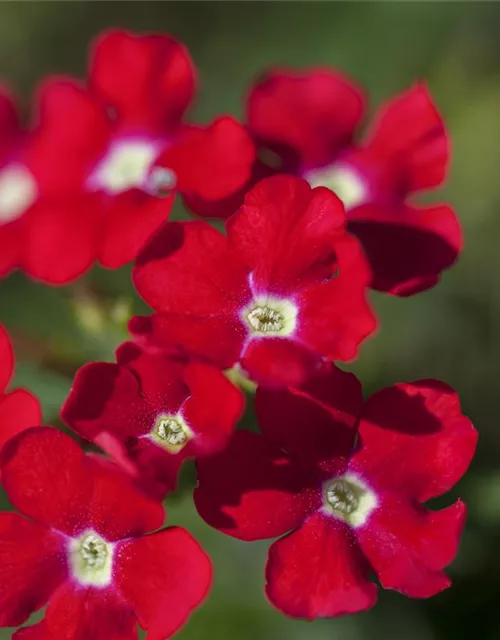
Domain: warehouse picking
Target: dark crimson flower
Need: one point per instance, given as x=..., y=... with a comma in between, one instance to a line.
x=82, y=186
x=305, y=123
x=282, y=290
x=348, y=481
x=81, y=546
x=19, y=409
x=151, y=412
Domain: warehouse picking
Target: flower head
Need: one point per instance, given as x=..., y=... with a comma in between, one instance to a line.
x=81, y=545
x=284, y=289
x=309, y=120
x=348, y=482
x=151, y=412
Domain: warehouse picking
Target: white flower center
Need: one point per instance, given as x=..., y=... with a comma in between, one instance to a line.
x=343, y=181
x=125, y=166
x=269, y=316
x=171, y=432
x=349, y=499
x=91, y=559
x=18, y=191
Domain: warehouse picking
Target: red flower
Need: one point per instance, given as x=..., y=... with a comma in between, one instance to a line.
x=79, y=546
x=352, y=511
x=305, y=123
x=19, y=409
x=151, y=412
x=283, y=289
x=88, y=164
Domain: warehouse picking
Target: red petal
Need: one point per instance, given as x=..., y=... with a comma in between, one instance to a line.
x=252, y=490
x=284, y=233
x=11, y=246
x=107, y=397
x=278, y=362
x=316, y=420
x=335, y=315
x=6, y=359
x=89, y=614
x=163, y=577
x=407, y=247
x=319, y=571
x=189, y=269
x=213, y=408
x=35, y=632
x=32, y=565
x=148, y=79
x=131, y=218
x=415, y=438
x=408, y=547
x=218, y=339
x=61, y=238
x=118, y=509
x=47, y=477
x=210, y=163
x=19, y=410
x=9, y=121
x=314, y=113
x=71, y=133
x=410, y=133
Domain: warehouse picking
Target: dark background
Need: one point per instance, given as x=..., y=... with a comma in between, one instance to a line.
x=451, y=333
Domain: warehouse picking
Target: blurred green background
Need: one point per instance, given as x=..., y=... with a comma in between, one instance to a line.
x=451, y=333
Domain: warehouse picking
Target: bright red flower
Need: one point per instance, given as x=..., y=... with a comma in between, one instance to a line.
x=305, y=123
x=88, y=166
x=19, y=409
x=348, y=481
x=81, y=546
x=282, y=290
x=151, y=412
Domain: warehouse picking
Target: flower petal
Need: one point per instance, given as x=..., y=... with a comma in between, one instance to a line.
x=9, y=120
x=71, y=133
x=414, y=437
x=335, y=315
x=252, y=490
x=316, y=420
x=6, y=359
x=11, y=246
x=319, y=571
x=106, y=397
x=216, y=339
x=131, y=218
x=410, y=132
x=409, y=546
x=314, y=113
x=148, y=79
x=48, y=478
x=285, y=233
x=163, y=577
x=19, y=410
x=408, y=247
x=35, y=632
x=61, y=238
x=213, y=408
x=188, y=268
x=32, y=565
x=76, y=613
x=210, y=163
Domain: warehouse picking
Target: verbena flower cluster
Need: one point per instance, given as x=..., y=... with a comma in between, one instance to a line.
x=314, y=217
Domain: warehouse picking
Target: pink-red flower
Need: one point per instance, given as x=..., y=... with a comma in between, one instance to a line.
x=81, y=545
x=283, y=289
x=151, y=412
x=348, y=481
x=82, y=184
x=19, y=409
x=306, y=123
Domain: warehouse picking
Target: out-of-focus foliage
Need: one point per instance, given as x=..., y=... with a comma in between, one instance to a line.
x=451, y=332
